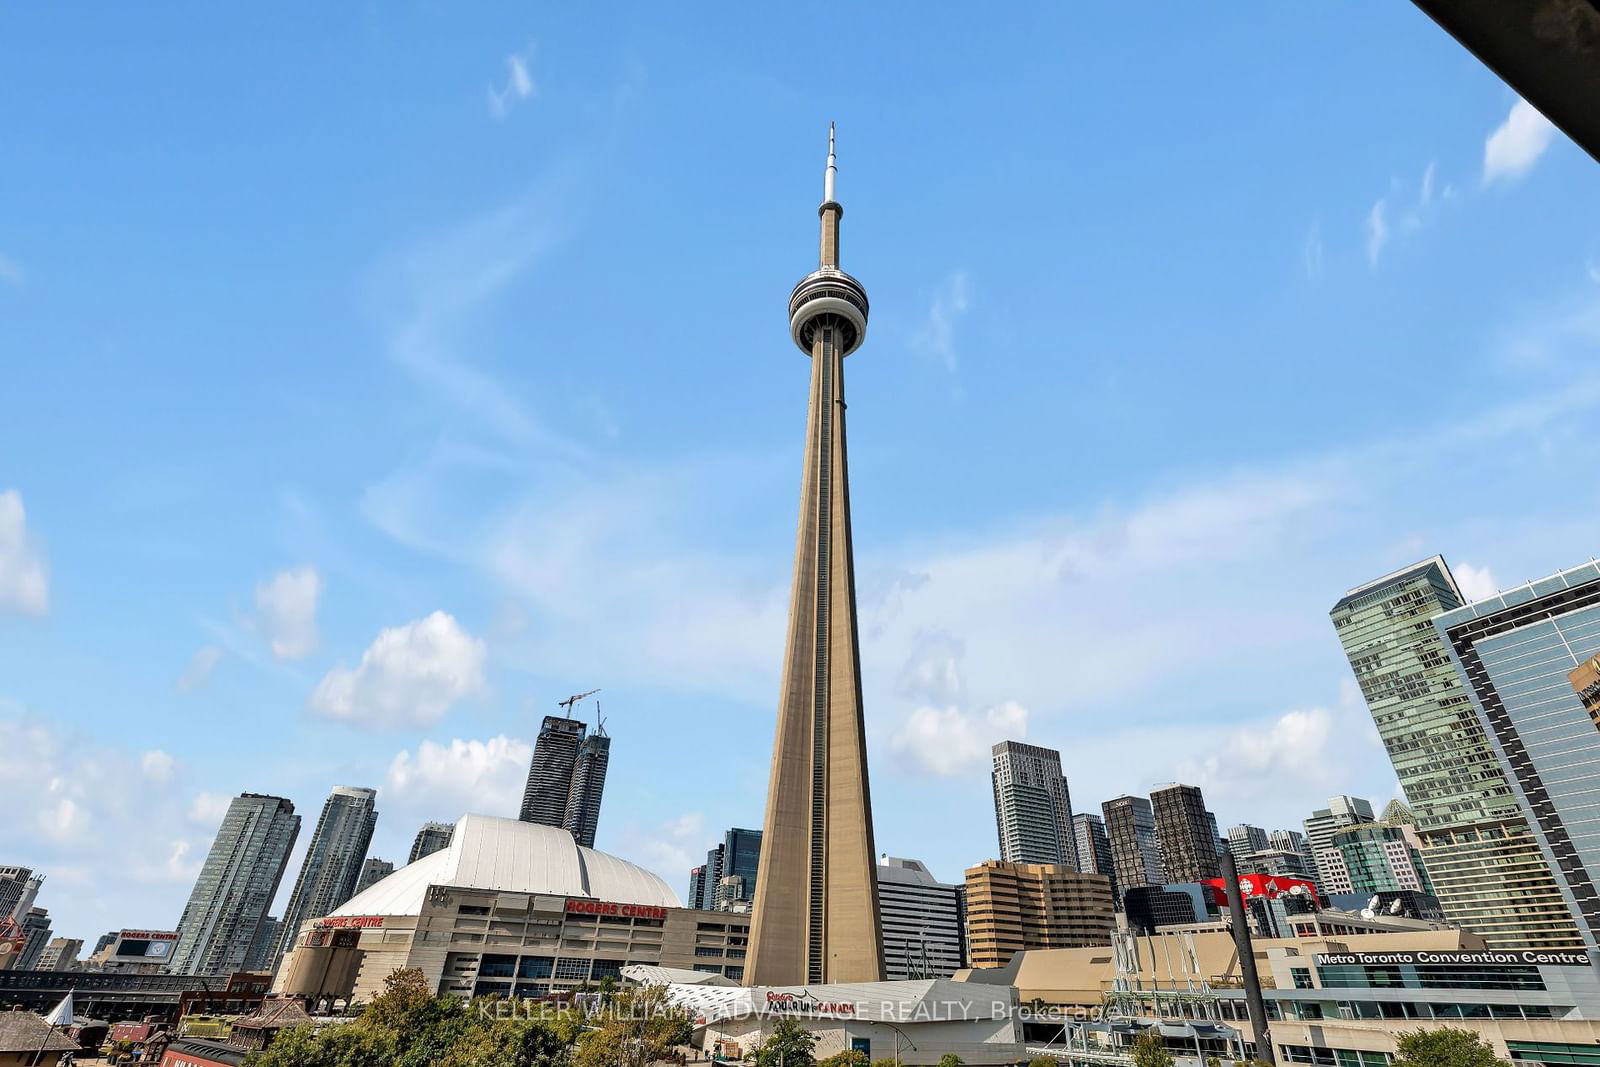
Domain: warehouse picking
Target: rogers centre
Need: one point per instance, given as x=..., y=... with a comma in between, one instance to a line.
x=513, y=908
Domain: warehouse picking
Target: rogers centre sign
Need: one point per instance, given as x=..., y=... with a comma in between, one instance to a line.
x=577, y=906
x=148, y=935
x=337, y=921
x=1520, y=957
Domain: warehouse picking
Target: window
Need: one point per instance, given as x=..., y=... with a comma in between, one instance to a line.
x=1551, y=1052
x=535, y=966
x=1302, y=977
x=708, y=950
x=572, y=969
x=471, y=909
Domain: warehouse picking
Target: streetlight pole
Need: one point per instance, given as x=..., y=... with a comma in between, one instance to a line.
x=1247, y=960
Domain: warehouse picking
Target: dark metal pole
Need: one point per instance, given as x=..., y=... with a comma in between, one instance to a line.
x=1247, y=960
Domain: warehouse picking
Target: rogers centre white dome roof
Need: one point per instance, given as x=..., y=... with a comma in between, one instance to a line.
x=513, y=857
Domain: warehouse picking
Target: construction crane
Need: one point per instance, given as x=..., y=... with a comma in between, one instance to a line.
x=573, y=699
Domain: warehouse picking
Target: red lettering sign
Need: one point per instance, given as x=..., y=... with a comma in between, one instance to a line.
x=1259, y=885
x=580, y=906
x=364, y=921
x=149, y=935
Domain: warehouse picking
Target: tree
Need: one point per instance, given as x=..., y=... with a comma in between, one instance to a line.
x=407, y=1026
x=1445, y=1047
x=950, y=1059
x=790, y=1044
x=1043, y=1061
x=640, y=1026
x=1150, y=1051
x=850, y=1057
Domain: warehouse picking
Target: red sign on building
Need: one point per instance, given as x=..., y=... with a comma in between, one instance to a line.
x=1259, y=885
x=578, y=906
x=333, y=921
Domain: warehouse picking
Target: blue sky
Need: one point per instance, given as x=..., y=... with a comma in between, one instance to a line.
x=376, y=377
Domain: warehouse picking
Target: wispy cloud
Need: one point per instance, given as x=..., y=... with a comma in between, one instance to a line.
x=517, y=87
x=198, y=672
x=286, y=611
x=1377, y=231
x=24, y=579
x=937, y=336
x=1516, y=144
x=1312, y=252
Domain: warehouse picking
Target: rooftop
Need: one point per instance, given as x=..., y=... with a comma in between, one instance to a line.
x=512, y=856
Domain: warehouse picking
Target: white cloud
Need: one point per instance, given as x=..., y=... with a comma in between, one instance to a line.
x=286, y=611
x=1477, y=583
x=24, y=580
x=672, y=846
x=517, y=87
x=1516, y=144
x=949, y=741
x=10, y=270
x=1377, y=231
x=1312, y=252
x=951, y=299
x=157, y=765
x=444, y=781
x=198, y=672
x=95, y=809
x=409, y=676
x=207, y=809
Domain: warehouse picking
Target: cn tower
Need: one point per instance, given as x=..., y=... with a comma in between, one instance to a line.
x=816, y=901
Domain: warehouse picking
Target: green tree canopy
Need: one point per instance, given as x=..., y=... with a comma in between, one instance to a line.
x=1150, y=1051
x=789, y=1043
x=950, y=1059
x=851, y=1057
x=1446, y=1047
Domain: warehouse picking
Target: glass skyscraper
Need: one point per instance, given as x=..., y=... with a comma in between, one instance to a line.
x=567, y=778
x=1341, y=811
x=1186, y=833
x=1529, y=657
x=332, y=866
x=1135, y=856
x=222, y=925
x=1477, y=844
x=1032, y=808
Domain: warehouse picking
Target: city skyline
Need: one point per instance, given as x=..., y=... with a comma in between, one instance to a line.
x=291, y=439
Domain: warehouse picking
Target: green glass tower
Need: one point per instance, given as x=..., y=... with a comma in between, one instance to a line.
x=1477, y=845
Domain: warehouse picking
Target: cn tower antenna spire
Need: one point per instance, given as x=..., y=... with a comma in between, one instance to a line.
x=832, y=171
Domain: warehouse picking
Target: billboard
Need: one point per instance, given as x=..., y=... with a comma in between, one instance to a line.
x=1270, y=886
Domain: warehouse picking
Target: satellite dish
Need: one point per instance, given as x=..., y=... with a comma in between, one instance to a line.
x=1373, y=903
x=1368, y=913
x=1394, y=909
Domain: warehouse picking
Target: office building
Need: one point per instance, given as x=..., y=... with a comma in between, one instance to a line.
x=1342, y=811
x=373, y=871
x=1278, y=862
x=1479, y=847
x=924, y=922
x=1245, y=840
x=35, y=925
x=1332, y=1000
x=332, y=864
x=816, y=902
x=60, y=954
x=1186, y=833
x=1131, y=832
x=1016, y=906
x=1290, y=841
x=582, y=818
x=737, y=867
x=1093, y=846
x=549, y=786
x=430, y=839
x=18, y=890
x=1531, y=660
x=697, y=887
x=1032, y=807
x=477, y=918
x=710, y=878
x=1219, y=843
x=1373, y=858
x=567, y=778
x=219, y=930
